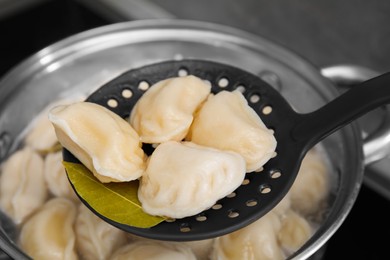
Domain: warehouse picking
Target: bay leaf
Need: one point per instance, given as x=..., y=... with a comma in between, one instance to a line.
x=117, y=201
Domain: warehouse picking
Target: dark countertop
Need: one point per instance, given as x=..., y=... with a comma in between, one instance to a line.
x=324, y=32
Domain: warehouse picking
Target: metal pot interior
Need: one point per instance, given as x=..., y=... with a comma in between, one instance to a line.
x=80, y=64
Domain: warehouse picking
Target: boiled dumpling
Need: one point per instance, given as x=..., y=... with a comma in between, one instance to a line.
x=200, y=248
x=49, y=233
x=183, y=179
x=96, y=239
x=41, y=135
x=153, y=250
x=294, y=232
x=311, y=187
x=165, y=111
x=255, y=241
x=56, y=178
x=22, y=184
x=283, y=206
x=226, y=122
x=104, y=142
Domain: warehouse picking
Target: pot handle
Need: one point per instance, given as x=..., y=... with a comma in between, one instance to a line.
x=377, y=143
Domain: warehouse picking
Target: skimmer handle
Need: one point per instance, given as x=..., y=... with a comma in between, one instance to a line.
x=312, y=127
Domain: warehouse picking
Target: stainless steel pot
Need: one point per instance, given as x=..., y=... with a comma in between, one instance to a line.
x=85, y=61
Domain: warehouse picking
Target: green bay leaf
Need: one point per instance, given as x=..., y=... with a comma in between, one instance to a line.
x=117, y=201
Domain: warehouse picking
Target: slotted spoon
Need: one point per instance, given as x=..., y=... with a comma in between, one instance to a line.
x=295, y=134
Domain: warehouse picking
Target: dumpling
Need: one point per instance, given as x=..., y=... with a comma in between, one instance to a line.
x=104, y=142
x=256, y=241
x=183, y=179
x=225, y=121
x=96, y=239
x=41, y=135
x=200, y=248
x=283, y=206
x=165, y=111
x=294, y=232
x=56, y=178
x=49, y=233
x=22, y=184
x=311, y=187
x=153, y=250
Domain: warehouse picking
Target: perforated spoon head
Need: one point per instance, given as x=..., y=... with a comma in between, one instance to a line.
x=262, y=190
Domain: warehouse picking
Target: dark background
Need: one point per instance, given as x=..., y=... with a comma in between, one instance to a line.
x=324, y=32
